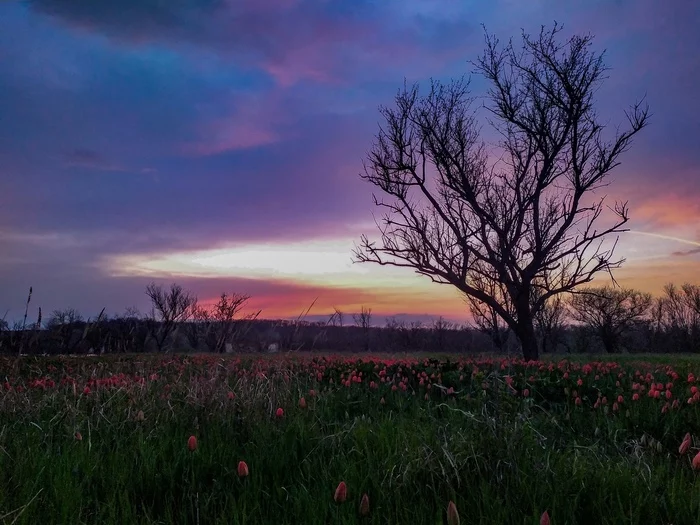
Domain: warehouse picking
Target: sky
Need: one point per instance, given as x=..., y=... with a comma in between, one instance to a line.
x=218, y=143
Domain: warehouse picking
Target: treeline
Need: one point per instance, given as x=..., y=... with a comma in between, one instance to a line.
x=594, y=319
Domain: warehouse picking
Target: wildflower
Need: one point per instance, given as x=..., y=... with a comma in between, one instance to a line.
x=302, y=403
x=242, y=469
x=452, y=514
x=685, y=444
x=341, y=492
x=364, y=505
x=544, y=519
x=279, y=412
x=192, y=443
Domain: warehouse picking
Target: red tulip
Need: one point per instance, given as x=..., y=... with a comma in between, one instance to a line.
x=78, y=436
x=302, y=403
x=544, y=519
x=364, y=505
x=242, y=469
x=452, y=514
x=341, y=492
x=192, y=443
x=280, y=412
x=685, y=444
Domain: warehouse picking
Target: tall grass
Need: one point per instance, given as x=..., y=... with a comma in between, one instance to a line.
x=501, y=457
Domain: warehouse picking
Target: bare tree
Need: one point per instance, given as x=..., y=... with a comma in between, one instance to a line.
x=170, y=307
x=609, y=311
x=692, y=299
x=486, y=318
x=336, y=318
x=439, y=329
x=677, y=313
x=68, y=316
x=521, y=213
x=223, y=324
x=549, y=323
x=363, y=320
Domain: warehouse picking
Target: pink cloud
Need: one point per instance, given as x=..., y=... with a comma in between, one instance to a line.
x=246, y=121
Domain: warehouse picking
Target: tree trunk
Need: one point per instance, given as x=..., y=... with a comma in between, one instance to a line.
x=610, y=341
x=525, y=331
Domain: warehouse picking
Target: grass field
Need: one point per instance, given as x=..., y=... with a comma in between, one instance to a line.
x=108, y=440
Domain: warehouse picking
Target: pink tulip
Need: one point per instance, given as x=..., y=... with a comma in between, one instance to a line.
x=685, y=444
x=364, y=505
x=341, y=492
x=696, y=462
x=452, y=514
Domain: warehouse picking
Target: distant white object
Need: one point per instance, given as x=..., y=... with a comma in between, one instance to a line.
x=273, y=347
x=229, y=348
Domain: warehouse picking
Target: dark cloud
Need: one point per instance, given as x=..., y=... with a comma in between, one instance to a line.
x=686, y=252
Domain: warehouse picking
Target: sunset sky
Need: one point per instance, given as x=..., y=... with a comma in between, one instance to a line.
x=218, y=143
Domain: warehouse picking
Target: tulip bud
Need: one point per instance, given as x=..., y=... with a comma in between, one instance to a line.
x=341, y=492
x=364, y=505
x=696, y=462
x=452, y=514
x=685, y=445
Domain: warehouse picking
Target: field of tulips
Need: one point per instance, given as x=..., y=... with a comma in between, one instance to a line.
x=321, y=439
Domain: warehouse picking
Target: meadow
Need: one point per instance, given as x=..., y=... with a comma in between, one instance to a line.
x=323, y=439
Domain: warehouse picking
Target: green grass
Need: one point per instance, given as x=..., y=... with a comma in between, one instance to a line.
x=502, y=458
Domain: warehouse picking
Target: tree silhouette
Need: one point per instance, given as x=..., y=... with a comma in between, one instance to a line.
x=521, y=213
